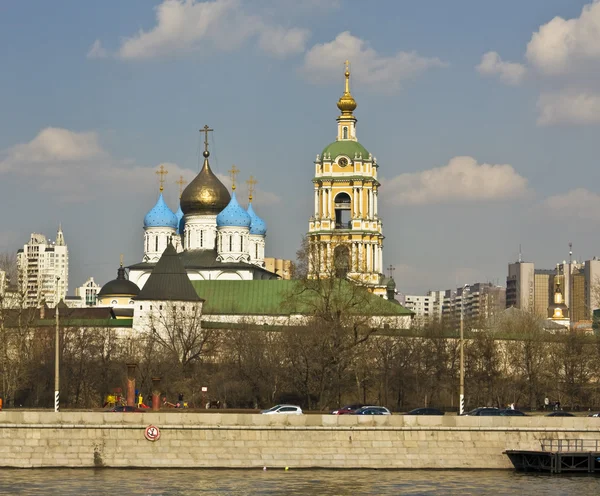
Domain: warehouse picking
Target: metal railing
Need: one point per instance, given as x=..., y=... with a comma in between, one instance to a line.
x=570, y=445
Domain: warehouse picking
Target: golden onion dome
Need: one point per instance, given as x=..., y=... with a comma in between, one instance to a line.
x=205, y=194
x=347, y=103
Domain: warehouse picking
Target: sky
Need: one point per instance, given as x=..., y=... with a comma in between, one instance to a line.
x=483, y=117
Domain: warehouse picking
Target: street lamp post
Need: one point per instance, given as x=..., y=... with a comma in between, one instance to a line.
x=461, y=406
x=56, y=353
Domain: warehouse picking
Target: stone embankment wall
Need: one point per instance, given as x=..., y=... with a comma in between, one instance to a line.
x=84, y=439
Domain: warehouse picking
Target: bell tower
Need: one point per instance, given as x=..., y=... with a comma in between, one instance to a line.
x=345, y=231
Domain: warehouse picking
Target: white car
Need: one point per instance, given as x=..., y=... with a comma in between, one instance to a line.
x=285, y=409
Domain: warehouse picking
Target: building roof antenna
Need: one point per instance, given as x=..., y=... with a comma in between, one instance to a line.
x=520, y=257
x=570, y=253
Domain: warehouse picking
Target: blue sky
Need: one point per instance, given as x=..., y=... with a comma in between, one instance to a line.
x=483, y=117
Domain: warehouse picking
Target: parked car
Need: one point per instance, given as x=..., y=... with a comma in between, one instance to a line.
x=560, y=413
x=345, y=410
x=509, y=412
x=283, y=409
x=125, y=408
x=425, y=411
x=596, y=414
x=483, y=411
x=372, y=410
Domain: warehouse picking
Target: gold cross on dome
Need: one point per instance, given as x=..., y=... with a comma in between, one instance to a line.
x=121, y=257
x=233, y=172
x=206, y=130
x=162, y=172
x=181, y=181
x=251, y=182
x=391, y=270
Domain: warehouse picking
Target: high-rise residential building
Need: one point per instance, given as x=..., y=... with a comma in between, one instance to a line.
x=474, y=303
x=579, y=284
x=43, y=269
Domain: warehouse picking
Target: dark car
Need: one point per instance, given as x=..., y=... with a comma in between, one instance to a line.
x=560, y=413
x=372, y=410
x=509, y=412
x=348, y=409
x=125, y=408
x=484, y=411
x=425, y=411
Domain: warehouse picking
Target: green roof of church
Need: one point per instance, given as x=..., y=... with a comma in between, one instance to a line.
x=270, y=297
x=348, y=148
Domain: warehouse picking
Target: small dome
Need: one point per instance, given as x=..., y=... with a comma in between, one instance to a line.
x=119, y=286
x=347, y=103
x=160, y=215
x=205, y=194
x=257, y=225
x=180, y=222
x=350, y=149
x=233, y=215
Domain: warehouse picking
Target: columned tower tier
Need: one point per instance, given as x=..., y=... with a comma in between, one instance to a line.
x=345, y=232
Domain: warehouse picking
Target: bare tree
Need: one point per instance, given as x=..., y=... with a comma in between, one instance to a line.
x=178, y=332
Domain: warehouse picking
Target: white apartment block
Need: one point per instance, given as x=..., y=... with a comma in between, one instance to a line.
x=427, y=308
x=88, y=293
x=43, y=269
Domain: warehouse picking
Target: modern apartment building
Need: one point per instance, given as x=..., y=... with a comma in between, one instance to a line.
x=43, y=269
x=473, y=303
x=533, y=289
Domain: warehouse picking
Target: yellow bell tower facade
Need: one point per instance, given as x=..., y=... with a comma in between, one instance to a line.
x=345, y=232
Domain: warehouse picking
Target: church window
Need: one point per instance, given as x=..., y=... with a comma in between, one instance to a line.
x=150, y=307
x=256, y=246
x=156, y=243
x=114, y=302
x=230, y=242
x=201, y=239
x=140, y=307
x=242, y=244
x=160, y=307
x=345, y=133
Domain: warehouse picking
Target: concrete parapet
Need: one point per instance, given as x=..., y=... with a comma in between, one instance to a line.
x=88, y=439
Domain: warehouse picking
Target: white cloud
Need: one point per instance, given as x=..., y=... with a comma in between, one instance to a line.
x=280, y=42
x=97, y=51
x=563, y=43
x=184, y=26
x=461, y=180
x=579, y=203
x=323, y=63
x=52, y=145
x=74, y=167
x=509, y=72
x=568, y=107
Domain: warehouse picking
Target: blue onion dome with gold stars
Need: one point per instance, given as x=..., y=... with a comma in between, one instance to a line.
x=160, y=215
x=180, y=221
x=233, y=215
x=257, y=225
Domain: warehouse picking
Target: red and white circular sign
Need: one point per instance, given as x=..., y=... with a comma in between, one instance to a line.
x=152, y=433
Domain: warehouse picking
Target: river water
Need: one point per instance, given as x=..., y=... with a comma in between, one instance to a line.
x=90, y=482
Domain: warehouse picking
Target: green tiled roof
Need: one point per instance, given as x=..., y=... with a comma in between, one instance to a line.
x=273, y=297
x=348, y=148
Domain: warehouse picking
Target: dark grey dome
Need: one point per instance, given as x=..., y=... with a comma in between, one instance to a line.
x=119, y=286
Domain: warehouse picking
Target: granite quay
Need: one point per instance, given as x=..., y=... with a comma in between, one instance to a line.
x=207, y=440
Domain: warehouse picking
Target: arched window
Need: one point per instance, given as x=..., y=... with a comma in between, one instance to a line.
x=256, y=246
x=156, y=243
x=345, y=133
x=114, y=302
x=231, y=242
x=201, y=239
x=343, y=208
x=242, y=244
